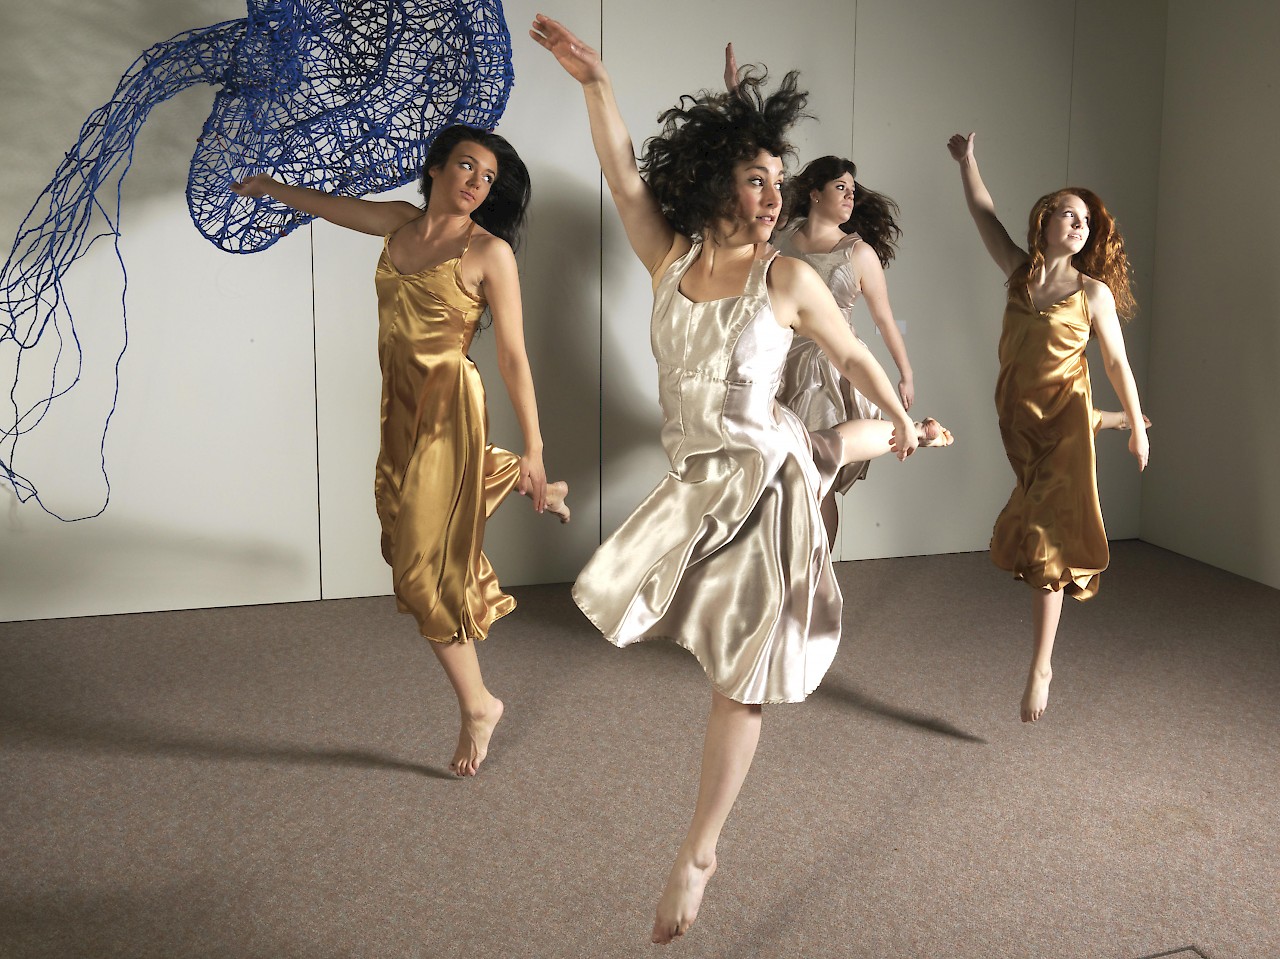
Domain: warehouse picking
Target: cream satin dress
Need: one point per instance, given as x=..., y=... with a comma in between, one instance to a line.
x=811, y=385
x=438, y=478
x=728, y=555
x=1050, y=533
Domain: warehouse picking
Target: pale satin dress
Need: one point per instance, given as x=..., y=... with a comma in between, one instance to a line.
x=1050, y=534
x=438, y=478
x=812, y=387
x=728, y=555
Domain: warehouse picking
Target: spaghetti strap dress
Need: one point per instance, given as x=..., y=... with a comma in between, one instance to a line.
x=438, y=478
x=811, y=386
x=728, y=555
x=1050, y=534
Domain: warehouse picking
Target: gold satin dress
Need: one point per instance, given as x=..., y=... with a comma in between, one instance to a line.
x=438, y=478
x=812, y=387
x=1050, y=534
x=728, y=555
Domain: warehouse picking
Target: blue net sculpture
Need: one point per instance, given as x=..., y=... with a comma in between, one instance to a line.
x=338, y=95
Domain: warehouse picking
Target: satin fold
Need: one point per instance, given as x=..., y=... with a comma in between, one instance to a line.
x=811, y=386
x=437, y=479
x=1050, y=533
x=727, y=556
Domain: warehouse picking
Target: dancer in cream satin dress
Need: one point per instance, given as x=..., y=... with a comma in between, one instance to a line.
x=727, y=556
x=1072, y=282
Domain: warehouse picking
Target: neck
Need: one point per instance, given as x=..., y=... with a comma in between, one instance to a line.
x=1058, y=266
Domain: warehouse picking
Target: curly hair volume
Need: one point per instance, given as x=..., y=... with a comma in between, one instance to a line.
x=689, y=164
x=1102, y=258
x=874, y=217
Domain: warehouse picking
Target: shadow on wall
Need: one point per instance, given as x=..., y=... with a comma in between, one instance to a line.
x=95, y=570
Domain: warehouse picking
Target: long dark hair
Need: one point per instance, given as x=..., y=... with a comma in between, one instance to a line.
x=874, y=217
x=689, y=165
x=503, y=211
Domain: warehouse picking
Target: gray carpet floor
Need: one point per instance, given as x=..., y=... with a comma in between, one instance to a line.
x=271, y=782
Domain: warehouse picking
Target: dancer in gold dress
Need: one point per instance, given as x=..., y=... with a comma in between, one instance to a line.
x=1072, y=282
x=438, y=478
x=727, y=556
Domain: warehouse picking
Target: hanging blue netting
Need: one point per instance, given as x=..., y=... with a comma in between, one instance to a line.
x=338, y=95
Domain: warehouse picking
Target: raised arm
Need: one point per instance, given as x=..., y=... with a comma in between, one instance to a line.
x=1102, y=312
x=1007, y=254
x=648, y=231
x=876, y=292
x=376, y=217
x=502, y=290
x=813, y=313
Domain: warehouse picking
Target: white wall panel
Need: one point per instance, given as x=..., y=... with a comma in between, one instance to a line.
x=927, y=69
x=213, y=498
x=1210, y=492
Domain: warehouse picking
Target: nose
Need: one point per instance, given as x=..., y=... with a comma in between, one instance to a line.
x=772, y=195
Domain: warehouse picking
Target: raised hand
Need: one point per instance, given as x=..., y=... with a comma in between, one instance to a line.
x=960, y=146
x=730, y=69
x=579, y=60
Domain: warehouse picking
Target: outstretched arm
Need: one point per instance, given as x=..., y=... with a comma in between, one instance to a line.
x=502, y=290
x=876, y=292
x=814, y=314
x=1007, y=254
x=648, y=231
x=1102, y=311
x=375, y=217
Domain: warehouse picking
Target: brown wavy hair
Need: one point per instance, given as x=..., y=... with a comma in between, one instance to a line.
x=689, y=164
x=874, y=216
x=1102, y=258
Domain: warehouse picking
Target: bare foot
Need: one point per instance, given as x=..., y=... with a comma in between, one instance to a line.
x=473, y=739
x=1036, y=697
x=933, y=433
x=679, y=904
x=556, y=495
x=1112, y=420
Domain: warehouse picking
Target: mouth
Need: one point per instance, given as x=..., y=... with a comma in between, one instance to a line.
x=767, y=218
x=469, y=197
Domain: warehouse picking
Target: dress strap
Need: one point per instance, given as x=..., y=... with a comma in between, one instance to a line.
x=1084, y=302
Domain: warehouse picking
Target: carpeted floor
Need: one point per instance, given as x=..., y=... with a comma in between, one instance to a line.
x=270, y=782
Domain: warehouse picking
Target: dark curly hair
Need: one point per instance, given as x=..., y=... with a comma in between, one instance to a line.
x=503, y=211
x=874, y=217
x=689, y=165
x=1102, y=258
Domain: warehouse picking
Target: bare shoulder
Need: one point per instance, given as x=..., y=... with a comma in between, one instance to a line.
x=1099, y=294
x=490, y=249
x=399, y=211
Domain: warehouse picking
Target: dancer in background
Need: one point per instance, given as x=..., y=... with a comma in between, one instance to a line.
x=1072, y=282
x=847, y=233
x=438, y=478
x=727, y=556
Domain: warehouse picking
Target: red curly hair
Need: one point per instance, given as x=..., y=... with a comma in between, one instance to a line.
x=1102, y=258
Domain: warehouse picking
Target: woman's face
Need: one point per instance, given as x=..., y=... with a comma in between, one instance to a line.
x=1066, y=229
x=834, y=201
x=759, y=191
x=463, y=181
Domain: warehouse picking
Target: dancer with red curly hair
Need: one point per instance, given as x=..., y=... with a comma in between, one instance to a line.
x=1072, y=282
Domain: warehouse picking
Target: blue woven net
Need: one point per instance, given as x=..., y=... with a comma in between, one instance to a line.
x=343, y=96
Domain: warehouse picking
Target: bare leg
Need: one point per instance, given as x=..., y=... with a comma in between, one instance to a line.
x=1112, y=420
x=867, y=439
x=831, y=518
x=733, y=729
x=480, y=709
x=1045, y=613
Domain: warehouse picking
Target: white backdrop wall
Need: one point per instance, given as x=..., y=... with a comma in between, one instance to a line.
x=241, y=454
x=1215, y=340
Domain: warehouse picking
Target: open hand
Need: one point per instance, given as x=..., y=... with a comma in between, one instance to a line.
x=579, y=60
x=254, y=186
x=730, y=69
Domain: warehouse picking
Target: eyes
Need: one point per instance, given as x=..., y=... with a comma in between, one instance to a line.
x=469, y=166
x=758, y=181
x=1072, y=215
